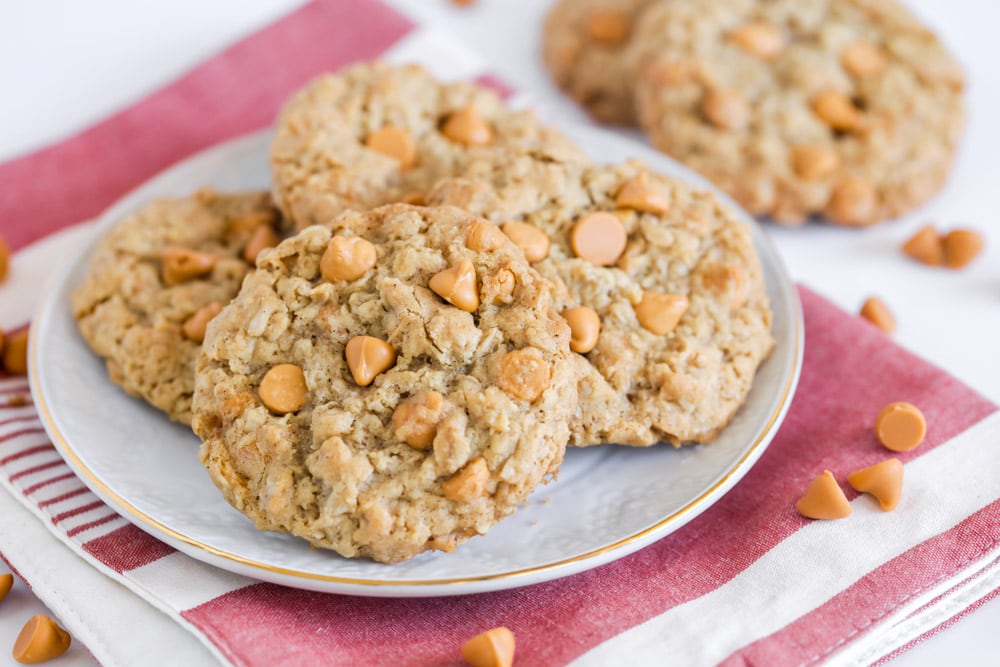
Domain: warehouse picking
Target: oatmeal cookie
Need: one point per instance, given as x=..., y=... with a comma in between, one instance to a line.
x=584, y=45
x=376, y=133
x=158, y=277
x=850, y=109
x=662, y=289
x=395, y=382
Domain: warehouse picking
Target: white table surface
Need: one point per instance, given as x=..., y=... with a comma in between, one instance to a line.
x=68, y=64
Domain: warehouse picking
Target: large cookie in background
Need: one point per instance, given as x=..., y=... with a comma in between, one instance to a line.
x=847, y=109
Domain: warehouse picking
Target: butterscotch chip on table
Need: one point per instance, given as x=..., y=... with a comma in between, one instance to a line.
x=4, y=259
x=961, y=246
x=15, y=353
x=875, y=311
x=493, y=648
x=661, y=286
x=851, y=111
x=584, y=46
x=824, y=499
x=417, y=410
x=900, y=426
x=40, y=640
x=883, y=480
x=925, y=246
x=156, y=280
x=6, y=583
x=375, y=133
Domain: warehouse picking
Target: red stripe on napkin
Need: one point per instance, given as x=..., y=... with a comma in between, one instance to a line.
x=558, y=621
x=235, y=92
x=127, y=548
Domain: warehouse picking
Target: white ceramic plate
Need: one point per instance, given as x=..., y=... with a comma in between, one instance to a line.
x=608, y=501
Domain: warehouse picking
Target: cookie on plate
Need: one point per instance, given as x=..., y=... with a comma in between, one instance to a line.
x=394, y=383
x=850, y=109
x=375, y=133
x=584, y=45
x=157, y=278
x=662, y=289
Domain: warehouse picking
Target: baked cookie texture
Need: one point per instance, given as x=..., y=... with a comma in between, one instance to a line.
x=155, y=280
x=375, y=133
x=466, y=416
x=684, y=316
x=849, y=109
x=584, y=46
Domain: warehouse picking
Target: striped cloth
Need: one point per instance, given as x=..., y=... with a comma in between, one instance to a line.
x=747, y=582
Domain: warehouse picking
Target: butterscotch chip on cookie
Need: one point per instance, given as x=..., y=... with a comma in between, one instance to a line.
x=155, y=281
x=584, y=45
x=375, y=133
x=411, y=411
x=663, y=291
x=847, y=109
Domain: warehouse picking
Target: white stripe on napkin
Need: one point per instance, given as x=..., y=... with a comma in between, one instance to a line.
x=781, y=586
x=183, y=583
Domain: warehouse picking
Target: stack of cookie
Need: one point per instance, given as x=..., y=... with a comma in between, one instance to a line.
x=460, y=293
x=846, y=109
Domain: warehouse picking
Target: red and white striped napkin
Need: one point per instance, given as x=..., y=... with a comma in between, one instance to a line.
x=747, y=582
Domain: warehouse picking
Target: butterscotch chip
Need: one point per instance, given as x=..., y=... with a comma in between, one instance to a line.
x=396, y=143
x=367, y=357
x=608, y=27
x=863, y=59
x=503, y=284
x=599, y=238
x=874, y=87
x=283, y=389
x=181, y=265
x=660, y=313
x=263, y=238
x=758, y=38
x=853, y=203
x=493, y=648
x=961, y=246
x=6, y=582
x=876, y=312
x=457, y=285
x=883, y=480
x=17, y=400
x=824, y=499
x=347, y=258
x=469, y=483
x=725, y=109
x=415, y=420
x=412, y=437
x=149, y=332
x=533, y=242
x=585, y=325
x=900, y=426
x=415, y=198
x=815, y=162
x=640, y=195
x=4, y=259
x=640, y=389
x=194, y=328
x=836, y=110
x=249, y=222
x=467, y=126
x=925, y=246
x=15, y=353
x=524, y=374
x=40, y=640
x=484, y=235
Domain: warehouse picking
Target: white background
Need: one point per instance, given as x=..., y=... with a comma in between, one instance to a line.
x=66, y=64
